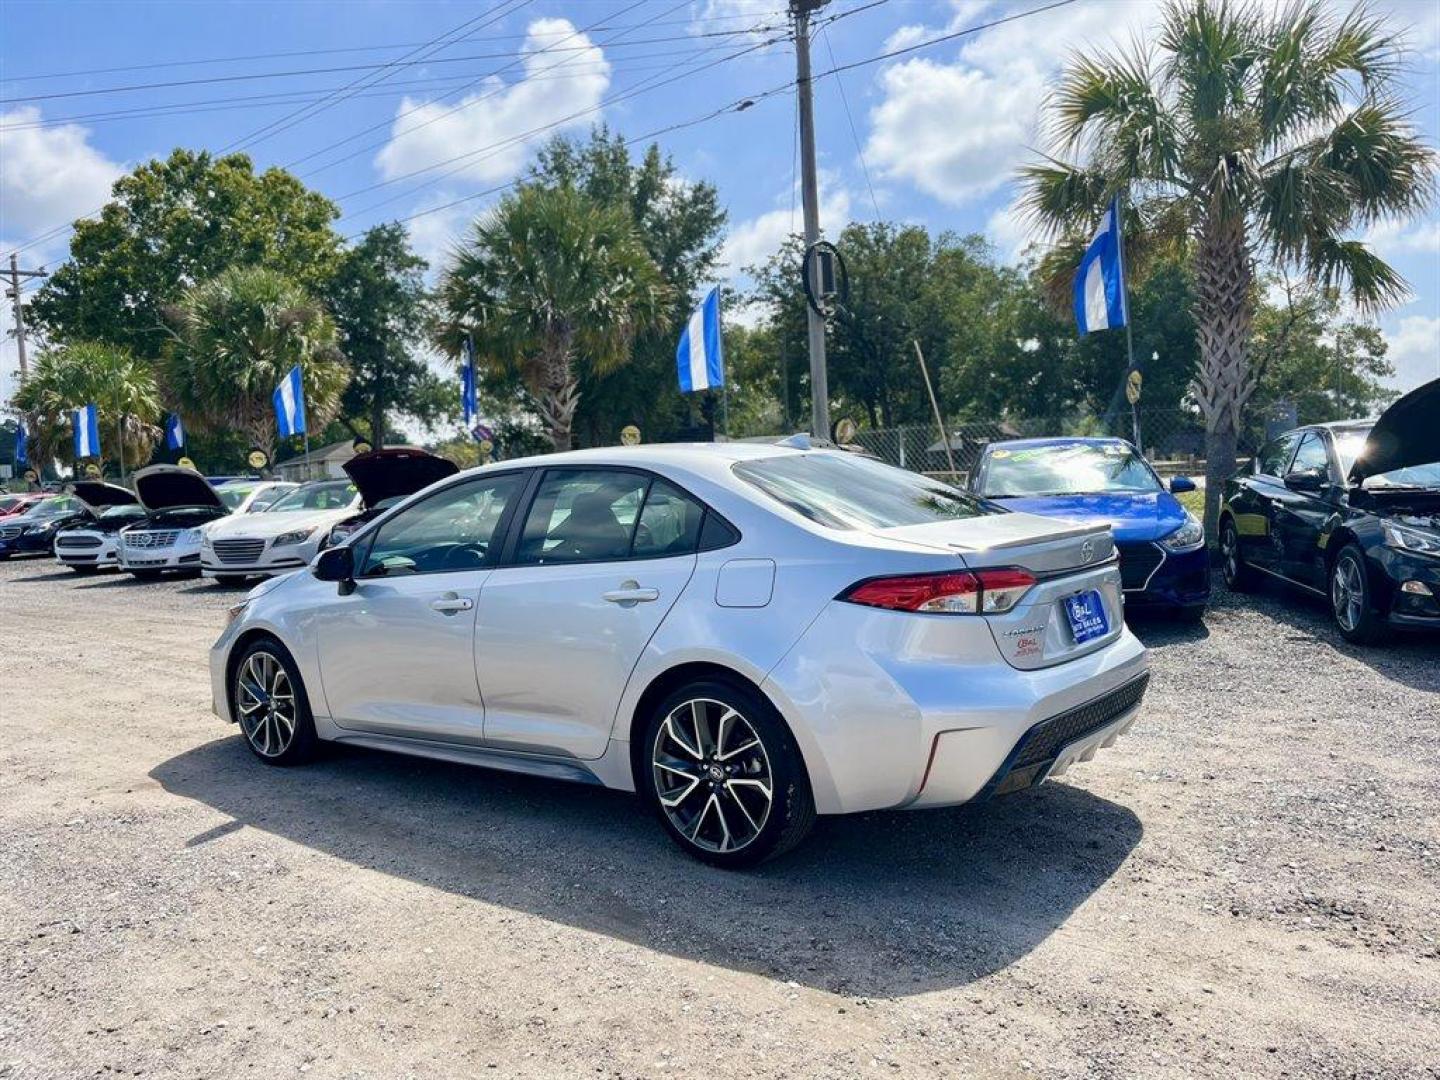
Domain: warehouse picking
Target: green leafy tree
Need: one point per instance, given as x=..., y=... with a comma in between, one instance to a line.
x=552, y=284
x=1244, y=133
x=173, y=223
x=680, y=223
x=236, y=337
x=120, y=386
x=382, y=312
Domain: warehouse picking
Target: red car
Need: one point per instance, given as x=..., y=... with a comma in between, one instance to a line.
x=18, y=503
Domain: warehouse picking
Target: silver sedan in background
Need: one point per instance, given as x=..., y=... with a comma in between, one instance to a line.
x=745, y=635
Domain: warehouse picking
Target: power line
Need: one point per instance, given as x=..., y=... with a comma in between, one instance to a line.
x=747, y=15
x=854, y=134
x=517, y=59
x=426, y=52
x=492, y=148
x=297, y=72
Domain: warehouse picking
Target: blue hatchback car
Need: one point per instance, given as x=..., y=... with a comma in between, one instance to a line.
x=1163, y=561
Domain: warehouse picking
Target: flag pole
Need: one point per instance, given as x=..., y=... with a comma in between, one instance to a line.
x=1125, y=295
x=724, y=375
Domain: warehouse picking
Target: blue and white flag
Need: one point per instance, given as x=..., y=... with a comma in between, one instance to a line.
x=699, y=357
x=86, y=421
x=21, y=438
x=290, y=404
x=174, y=432
x=1100, y=282
x=468, y=405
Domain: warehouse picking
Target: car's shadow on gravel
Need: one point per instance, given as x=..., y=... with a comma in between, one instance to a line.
x=52, y=575
x=874, y=905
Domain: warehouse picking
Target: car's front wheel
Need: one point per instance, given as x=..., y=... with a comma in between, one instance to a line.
x=270, y=705
x=1239, y=577
x=724, y=775
x=1350, y=602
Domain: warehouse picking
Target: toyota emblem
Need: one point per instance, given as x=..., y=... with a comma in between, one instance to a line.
x=1087, y=551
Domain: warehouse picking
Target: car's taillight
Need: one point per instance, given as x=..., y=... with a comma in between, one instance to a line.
x=963, y=592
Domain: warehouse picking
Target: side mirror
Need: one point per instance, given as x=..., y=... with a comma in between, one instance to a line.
x=1307, y=480
x=1179, y=485
x=336, y=564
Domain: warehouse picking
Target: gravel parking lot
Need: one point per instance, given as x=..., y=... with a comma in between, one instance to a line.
x=1245, y=885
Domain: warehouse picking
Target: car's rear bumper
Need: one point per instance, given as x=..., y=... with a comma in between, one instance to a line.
x=886, y=717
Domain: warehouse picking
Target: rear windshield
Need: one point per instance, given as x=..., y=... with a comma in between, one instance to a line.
x=842, y=491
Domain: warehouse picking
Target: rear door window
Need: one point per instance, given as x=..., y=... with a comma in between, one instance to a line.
x=582, y=515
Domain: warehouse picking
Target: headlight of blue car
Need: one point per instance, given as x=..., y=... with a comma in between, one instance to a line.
x=299, y=536
x=1190, y=535
x=1398, y=536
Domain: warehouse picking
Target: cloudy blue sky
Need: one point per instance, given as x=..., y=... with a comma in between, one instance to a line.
x=414, y=109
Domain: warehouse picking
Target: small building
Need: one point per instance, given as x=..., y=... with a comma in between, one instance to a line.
x=322, y=463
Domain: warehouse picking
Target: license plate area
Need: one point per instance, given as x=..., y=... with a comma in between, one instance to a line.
x=1086, y=614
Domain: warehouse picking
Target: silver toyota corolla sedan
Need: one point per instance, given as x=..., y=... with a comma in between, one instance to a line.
x=746, y=635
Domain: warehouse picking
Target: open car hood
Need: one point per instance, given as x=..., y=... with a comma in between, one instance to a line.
x=1407, y=434
x=97, y=495
x=164, y=487
x=396, y=471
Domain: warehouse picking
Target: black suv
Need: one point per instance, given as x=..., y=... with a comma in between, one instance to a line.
x=1350, y=510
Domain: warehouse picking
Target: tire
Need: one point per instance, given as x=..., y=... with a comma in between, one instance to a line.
x=1239, y=576
x=722, y=803
x=146, y=575
x=262, y=680
x=1351, y=603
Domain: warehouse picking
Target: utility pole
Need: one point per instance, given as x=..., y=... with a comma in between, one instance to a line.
x=14, y=294
x=800, y=12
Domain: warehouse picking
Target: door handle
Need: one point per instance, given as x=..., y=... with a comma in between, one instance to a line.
x=452, y=605
x=631, y=593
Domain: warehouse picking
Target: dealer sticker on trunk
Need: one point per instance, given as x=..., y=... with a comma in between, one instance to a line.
x=1086, y=613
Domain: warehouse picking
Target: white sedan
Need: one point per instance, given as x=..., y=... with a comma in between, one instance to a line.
x=746, y=635
x=282, y=538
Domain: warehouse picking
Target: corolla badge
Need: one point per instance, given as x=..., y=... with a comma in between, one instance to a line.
x=1087, y=551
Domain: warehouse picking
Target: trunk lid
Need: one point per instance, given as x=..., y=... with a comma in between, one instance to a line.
x=1069, y=560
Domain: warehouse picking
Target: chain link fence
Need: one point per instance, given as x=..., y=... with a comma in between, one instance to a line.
x=1173, y=440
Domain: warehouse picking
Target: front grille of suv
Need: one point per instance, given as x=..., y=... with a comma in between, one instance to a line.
x=237, y=552
x=155, y=539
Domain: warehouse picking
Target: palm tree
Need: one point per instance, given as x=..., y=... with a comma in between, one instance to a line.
x=1244, y=135
x=122, y=388
x=236, y=337
x=549, y=280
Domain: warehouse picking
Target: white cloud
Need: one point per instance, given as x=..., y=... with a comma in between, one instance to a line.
x=1008, y=230
x=1414, y=349
x=498, y=113
x=434, y=236
x=957, y=130
x=1391, y=238
x=48, y=175
x=751, y=242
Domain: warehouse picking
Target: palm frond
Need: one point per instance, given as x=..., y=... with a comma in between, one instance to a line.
x=1350, y=265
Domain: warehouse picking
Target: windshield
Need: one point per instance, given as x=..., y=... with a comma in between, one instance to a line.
x=54, y=507
x=845, y=492
x=1078, y=468
x=232, y=495
x=1348, y=444
x=110, y=513
x=326, y=495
